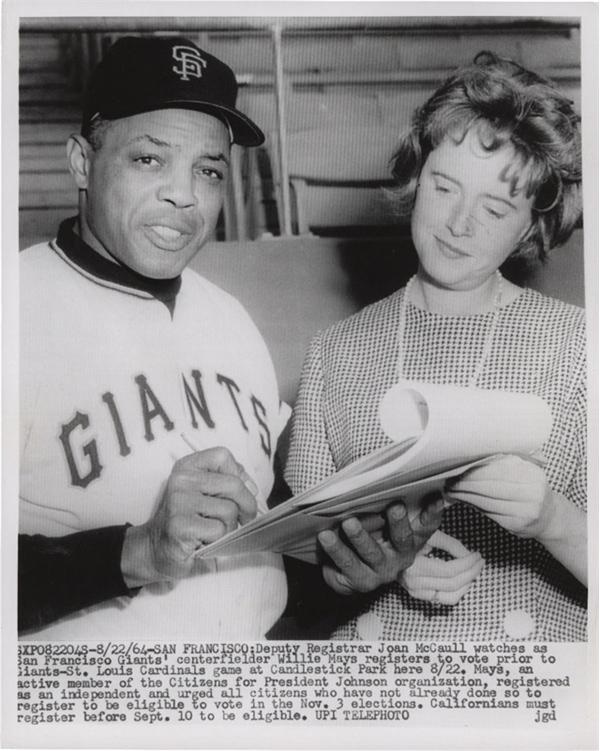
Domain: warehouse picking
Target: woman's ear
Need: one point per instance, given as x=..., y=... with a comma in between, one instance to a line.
x=78, y=157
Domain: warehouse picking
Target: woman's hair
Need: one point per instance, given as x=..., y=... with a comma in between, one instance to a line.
x=504, y=103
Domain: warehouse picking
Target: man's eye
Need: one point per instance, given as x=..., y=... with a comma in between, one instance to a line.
x=212, y=174
x=146, y=160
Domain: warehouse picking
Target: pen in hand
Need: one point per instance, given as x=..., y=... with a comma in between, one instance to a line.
x=244, y=476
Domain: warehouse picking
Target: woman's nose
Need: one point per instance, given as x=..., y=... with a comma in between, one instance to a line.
x=460, y=221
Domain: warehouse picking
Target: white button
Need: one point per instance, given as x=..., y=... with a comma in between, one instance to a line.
x=519, y=624
x=369, y=627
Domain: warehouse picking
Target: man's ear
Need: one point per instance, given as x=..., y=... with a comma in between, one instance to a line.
x=79, y=157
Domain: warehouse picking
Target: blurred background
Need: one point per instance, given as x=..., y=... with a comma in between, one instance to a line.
x=307, y=235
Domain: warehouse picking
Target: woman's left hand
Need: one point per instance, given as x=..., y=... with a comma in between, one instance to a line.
x=512, y=491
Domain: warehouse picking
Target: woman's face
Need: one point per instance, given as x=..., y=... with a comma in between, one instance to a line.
x=470, y=212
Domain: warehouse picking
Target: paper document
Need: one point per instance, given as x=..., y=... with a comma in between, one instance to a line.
x=437, y=432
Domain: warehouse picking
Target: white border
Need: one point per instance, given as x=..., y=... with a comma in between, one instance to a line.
x=272, y=736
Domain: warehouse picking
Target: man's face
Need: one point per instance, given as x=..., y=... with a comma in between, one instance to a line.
x=155, y=188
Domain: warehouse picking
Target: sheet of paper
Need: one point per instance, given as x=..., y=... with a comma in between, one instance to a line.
x=462, y=425
x=295, y=534
x=459, y=427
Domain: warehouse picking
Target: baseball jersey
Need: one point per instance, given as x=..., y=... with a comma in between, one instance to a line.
x=120, y=375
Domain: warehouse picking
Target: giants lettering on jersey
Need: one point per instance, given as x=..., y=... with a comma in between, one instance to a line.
x=83, y=454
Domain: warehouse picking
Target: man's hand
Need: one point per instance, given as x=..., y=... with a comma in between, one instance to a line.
x=365, y=559
x=442, y=582
x=207, y=495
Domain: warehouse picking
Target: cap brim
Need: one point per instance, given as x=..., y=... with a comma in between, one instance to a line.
x=244, y=131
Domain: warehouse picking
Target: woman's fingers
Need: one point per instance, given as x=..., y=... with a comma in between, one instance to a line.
x=439, y=581
x=447, y=582
x=436, y=568
x=448, y=544
x=441, y=597
x=443, y=591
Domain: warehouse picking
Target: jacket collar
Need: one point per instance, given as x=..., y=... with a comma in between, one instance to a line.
x=84, y=256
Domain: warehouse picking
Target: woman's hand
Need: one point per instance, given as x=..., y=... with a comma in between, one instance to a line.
x=442, y=582
x=513, y=492
x=363, y=560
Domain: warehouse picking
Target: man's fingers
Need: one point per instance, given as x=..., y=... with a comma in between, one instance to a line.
x=218, y=508
x=363, y=544
x=219, y=459
x=199, y=530
x=210, y=530
x=429, y=519
x=195, y=482
x=210, y=483
x=337, y=581
x=347, y=562
x=400, y=530
x=372, y=522
x=215, y=459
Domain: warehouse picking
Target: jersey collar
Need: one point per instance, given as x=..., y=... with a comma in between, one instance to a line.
x=84, y=256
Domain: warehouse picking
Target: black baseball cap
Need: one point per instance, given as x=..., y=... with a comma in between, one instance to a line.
x=141, y=74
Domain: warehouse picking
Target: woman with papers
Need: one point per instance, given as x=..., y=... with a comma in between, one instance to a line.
x=490, y=170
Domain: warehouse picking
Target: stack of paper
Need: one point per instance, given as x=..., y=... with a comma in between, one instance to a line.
x=437, y=432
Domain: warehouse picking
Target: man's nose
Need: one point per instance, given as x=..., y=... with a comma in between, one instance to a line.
x=178, y=189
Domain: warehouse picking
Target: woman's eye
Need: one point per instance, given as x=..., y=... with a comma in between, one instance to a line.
x=441, y=189
x=494, y=213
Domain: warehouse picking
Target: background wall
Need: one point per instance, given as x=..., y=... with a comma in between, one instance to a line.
x=292, y=288
x=338, y=77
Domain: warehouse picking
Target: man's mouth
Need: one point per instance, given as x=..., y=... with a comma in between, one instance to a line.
x=167, y=233
x=166, y=237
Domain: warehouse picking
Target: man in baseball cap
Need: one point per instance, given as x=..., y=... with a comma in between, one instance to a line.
x=140, y=74
x=150, y=409
x=149, y=404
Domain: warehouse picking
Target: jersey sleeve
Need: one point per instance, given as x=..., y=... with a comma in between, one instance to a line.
x=60, y=575
x=310, y=459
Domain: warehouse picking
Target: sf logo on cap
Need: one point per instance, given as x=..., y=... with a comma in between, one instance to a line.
x=190, y=62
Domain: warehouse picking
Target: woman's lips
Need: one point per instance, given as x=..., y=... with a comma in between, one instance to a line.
x=450, y=250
